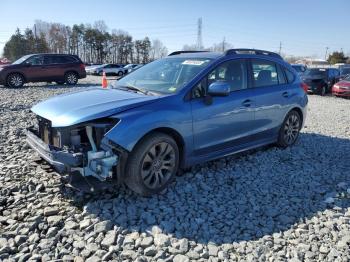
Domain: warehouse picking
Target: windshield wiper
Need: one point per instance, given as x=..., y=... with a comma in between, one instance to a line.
x=133, y=88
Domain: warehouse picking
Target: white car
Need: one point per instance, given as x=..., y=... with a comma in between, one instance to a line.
x=109, y=69
x=128, y=68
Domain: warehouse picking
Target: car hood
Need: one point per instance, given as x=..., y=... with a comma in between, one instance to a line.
x=77, y=107
x=343, y=84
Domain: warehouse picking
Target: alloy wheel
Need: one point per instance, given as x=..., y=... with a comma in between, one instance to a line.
x=158, y=165
x=291, y=129
x=16, y=80
x=71, y=79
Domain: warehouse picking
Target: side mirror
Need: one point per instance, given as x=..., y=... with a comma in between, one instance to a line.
x=219, y=88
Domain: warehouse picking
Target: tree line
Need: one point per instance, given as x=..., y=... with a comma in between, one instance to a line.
x=92, y=43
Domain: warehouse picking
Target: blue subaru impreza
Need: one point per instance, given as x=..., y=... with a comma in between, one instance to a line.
x=175, y=112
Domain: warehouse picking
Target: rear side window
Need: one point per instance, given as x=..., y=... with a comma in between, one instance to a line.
x=290, y=76
x=264, y=73
x=58, y=60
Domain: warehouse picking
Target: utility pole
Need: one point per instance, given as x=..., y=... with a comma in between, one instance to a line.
x=223, y=45
x=325, y=56
x=199, y=35
x=36, y=39
x=280, y=49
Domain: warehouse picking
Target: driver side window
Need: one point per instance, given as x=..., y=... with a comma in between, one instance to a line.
x=233, y=72
x=36, y=60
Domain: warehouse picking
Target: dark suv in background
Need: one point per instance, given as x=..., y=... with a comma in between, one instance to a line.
x=59, y=68
x=320, y=80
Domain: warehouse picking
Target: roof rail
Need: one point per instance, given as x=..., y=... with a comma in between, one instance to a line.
x=252, y=51
x=184, y=52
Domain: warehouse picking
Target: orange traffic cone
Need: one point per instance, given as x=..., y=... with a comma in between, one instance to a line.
x=104, y=80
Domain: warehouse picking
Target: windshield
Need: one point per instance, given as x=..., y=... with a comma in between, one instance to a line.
x=345, y=71
x=21, y=60
x=316, y=72
x=164, y=76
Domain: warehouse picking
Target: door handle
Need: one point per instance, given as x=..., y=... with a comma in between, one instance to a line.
x=285, y=94
x=247, y=103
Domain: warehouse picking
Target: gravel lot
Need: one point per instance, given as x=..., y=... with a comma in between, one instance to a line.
x=267, y=205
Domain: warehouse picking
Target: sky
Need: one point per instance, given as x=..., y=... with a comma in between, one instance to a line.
x=302, y=27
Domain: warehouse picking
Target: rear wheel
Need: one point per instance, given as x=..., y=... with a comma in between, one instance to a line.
x=152, y=165
x=71, y=78
x=15, y=80
x=323, y=91
x=120, y=73
x=290, y=129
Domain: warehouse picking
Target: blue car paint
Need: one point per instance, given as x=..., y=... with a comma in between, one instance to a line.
x=207, y=131
x=73, y=108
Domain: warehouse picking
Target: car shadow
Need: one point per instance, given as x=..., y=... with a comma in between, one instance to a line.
x=238, y=198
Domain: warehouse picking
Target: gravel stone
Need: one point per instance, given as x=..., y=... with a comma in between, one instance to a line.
x=103, y=226
x=181, y=258
x=146, y=242
x=109, y=239
x=150, y=251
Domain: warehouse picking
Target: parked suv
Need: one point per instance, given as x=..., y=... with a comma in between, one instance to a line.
x=173, y=113
x=320, y=80
x=59, y=68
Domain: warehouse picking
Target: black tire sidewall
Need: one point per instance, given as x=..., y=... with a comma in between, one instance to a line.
x=133, y=177
x=8, y=81
x=281, y=141
x=120, y=73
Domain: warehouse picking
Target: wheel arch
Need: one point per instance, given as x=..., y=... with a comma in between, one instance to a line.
x=173, y=134
x=299, y=111
x=71, y=71
x=16, y=72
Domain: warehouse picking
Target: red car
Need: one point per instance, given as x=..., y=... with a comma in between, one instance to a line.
x=342, y=88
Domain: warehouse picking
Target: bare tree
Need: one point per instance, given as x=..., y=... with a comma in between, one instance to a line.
x=158, y=50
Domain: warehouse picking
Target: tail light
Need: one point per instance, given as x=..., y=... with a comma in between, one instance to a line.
x=304, y=86
x=82, y=66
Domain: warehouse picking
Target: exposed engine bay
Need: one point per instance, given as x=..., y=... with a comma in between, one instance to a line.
x=81, y=147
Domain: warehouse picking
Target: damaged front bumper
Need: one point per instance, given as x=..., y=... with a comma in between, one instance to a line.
x=101, y=164
x=61, y=160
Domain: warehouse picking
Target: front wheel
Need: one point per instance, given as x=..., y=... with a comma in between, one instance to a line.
x=290, y=129
x=120, y=73
x=323, y=91
x=15, y=80
x=152, y=165
x=71, y=78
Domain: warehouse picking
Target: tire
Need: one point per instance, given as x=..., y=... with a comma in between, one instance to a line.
x=15, y=80
x=71, y=78
x=323, y=91
x=152, y=165
x=101, y=73
x=290, y=129
x=120, y=73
